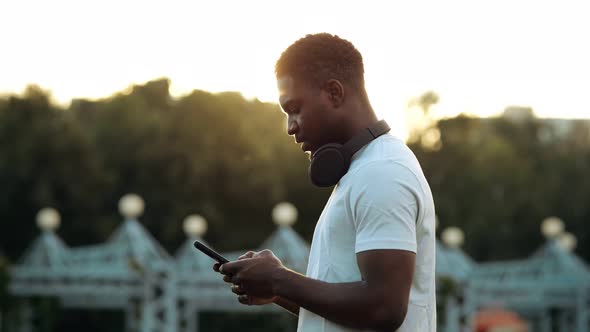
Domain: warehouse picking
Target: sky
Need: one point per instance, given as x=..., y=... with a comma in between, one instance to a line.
x=478, y=56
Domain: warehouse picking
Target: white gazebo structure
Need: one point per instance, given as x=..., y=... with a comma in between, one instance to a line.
x=453, y=268
x=131, y=272
x=285, y=243
x=201, y=289
x=553, y=283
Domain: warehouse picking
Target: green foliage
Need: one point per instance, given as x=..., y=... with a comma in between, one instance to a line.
x=247, y=322
x=99, y=320
x=229, y=159
x=218, y=155
x=498, y=179
x=5, y=299
x=45, y=159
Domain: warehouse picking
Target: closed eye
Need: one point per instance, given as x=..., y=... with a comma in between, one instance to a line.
x=290, y=107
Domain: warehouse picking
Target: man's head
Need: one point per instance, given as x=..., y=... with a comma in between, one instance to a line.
x=321, y=85
x=317, y=58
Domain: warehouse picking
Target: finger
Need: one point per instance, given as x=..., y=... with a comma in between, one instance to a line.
x=236, y=280
x=216, y=267
x=236, y=289
x=249, y=254
x=265, y=252
x=244, y=299
x=231, y=267
x=227, y=278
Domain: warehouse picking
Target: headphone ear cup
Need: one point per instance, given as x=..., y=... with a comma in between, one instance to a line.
x=328, y=164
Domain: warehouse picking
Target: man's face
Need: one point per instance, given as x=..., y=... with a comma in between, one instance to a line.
x=308, y=111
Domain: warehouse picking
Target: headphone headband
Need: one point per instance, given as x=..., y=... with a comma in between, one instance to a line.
x=331, y=161
x=366, y=136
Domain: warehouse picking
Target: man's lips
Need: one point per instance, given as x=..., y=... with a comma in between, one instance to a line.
x=305, y=147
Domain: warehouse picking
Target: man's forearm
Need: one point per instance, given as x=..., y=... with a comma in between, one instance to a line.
x=287, y=305
x=353, y=304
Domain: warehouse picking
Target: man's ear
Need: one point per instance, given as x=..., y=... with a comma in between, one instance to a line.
x=335, y=91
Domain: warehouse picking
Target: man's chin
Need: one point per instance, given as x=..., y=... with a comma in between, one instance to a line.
x=307, y=149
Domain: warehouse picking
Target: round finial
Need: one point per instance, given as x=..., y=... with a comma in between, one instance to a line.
x=284, y=214
x=453, y=237
x=131, y=206
x=48, y=219
x=195, y=226
x=551, y=227
x=567, y=241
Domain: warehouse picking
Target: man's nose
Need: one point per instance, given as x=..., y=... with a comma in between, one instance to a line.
x=292, y=127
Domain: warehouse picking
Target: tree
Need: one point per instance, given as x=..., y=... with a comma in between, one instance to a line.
x=498, y=178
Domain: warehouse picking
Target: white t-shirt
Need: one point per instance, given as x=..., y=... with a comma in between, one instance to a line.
x=383, y=202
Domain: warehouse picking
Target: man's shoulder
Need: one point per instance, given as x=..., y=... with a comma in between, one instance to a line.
x=386, y=156
x=387, y=167
x=385, y=150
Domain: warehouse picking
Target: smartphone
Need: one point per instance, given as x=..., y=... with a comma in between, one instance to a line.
x=210, y=252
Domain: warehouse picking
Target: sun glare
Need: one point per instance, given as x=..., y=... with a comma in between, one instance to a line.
x=479, y=59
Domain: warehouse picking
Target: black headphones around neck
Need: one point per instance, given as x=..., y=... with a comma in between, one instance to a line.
x=331, y=161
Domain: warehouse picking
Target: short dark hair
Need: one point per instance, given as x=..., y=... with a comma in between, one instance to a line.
x=319, y=57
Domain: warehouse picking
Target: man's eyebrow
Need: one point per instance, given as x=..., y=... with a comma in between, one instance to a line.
x=285, y=103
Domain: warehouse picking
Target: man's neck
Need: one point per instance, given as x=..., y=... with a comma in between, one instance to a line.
x=360, y=118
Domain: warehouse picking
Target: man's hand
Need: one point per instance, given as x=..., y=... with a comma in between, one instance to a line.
x=251, y=276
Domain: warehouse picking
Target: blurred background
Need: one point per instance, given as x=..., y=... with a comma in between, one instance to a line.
x=175, y=102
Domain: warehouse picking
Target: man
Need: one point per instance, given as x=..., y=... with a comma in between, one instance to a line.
x=371, y=265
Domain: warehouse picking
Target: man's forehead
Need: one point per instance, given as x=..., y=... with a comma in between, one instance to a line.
x=285, y=84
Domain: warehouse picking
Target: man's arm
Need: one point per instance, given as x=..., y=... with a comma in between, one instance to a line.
x=287, y=305
x=378, y=302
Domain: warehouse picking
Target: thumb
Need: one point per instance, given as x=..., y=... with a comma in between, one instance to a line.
x=249, y=254
x=264, y=253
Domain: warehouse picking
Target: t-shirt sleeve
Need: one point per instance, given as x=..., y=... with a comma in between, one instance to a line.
x=385, y=204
